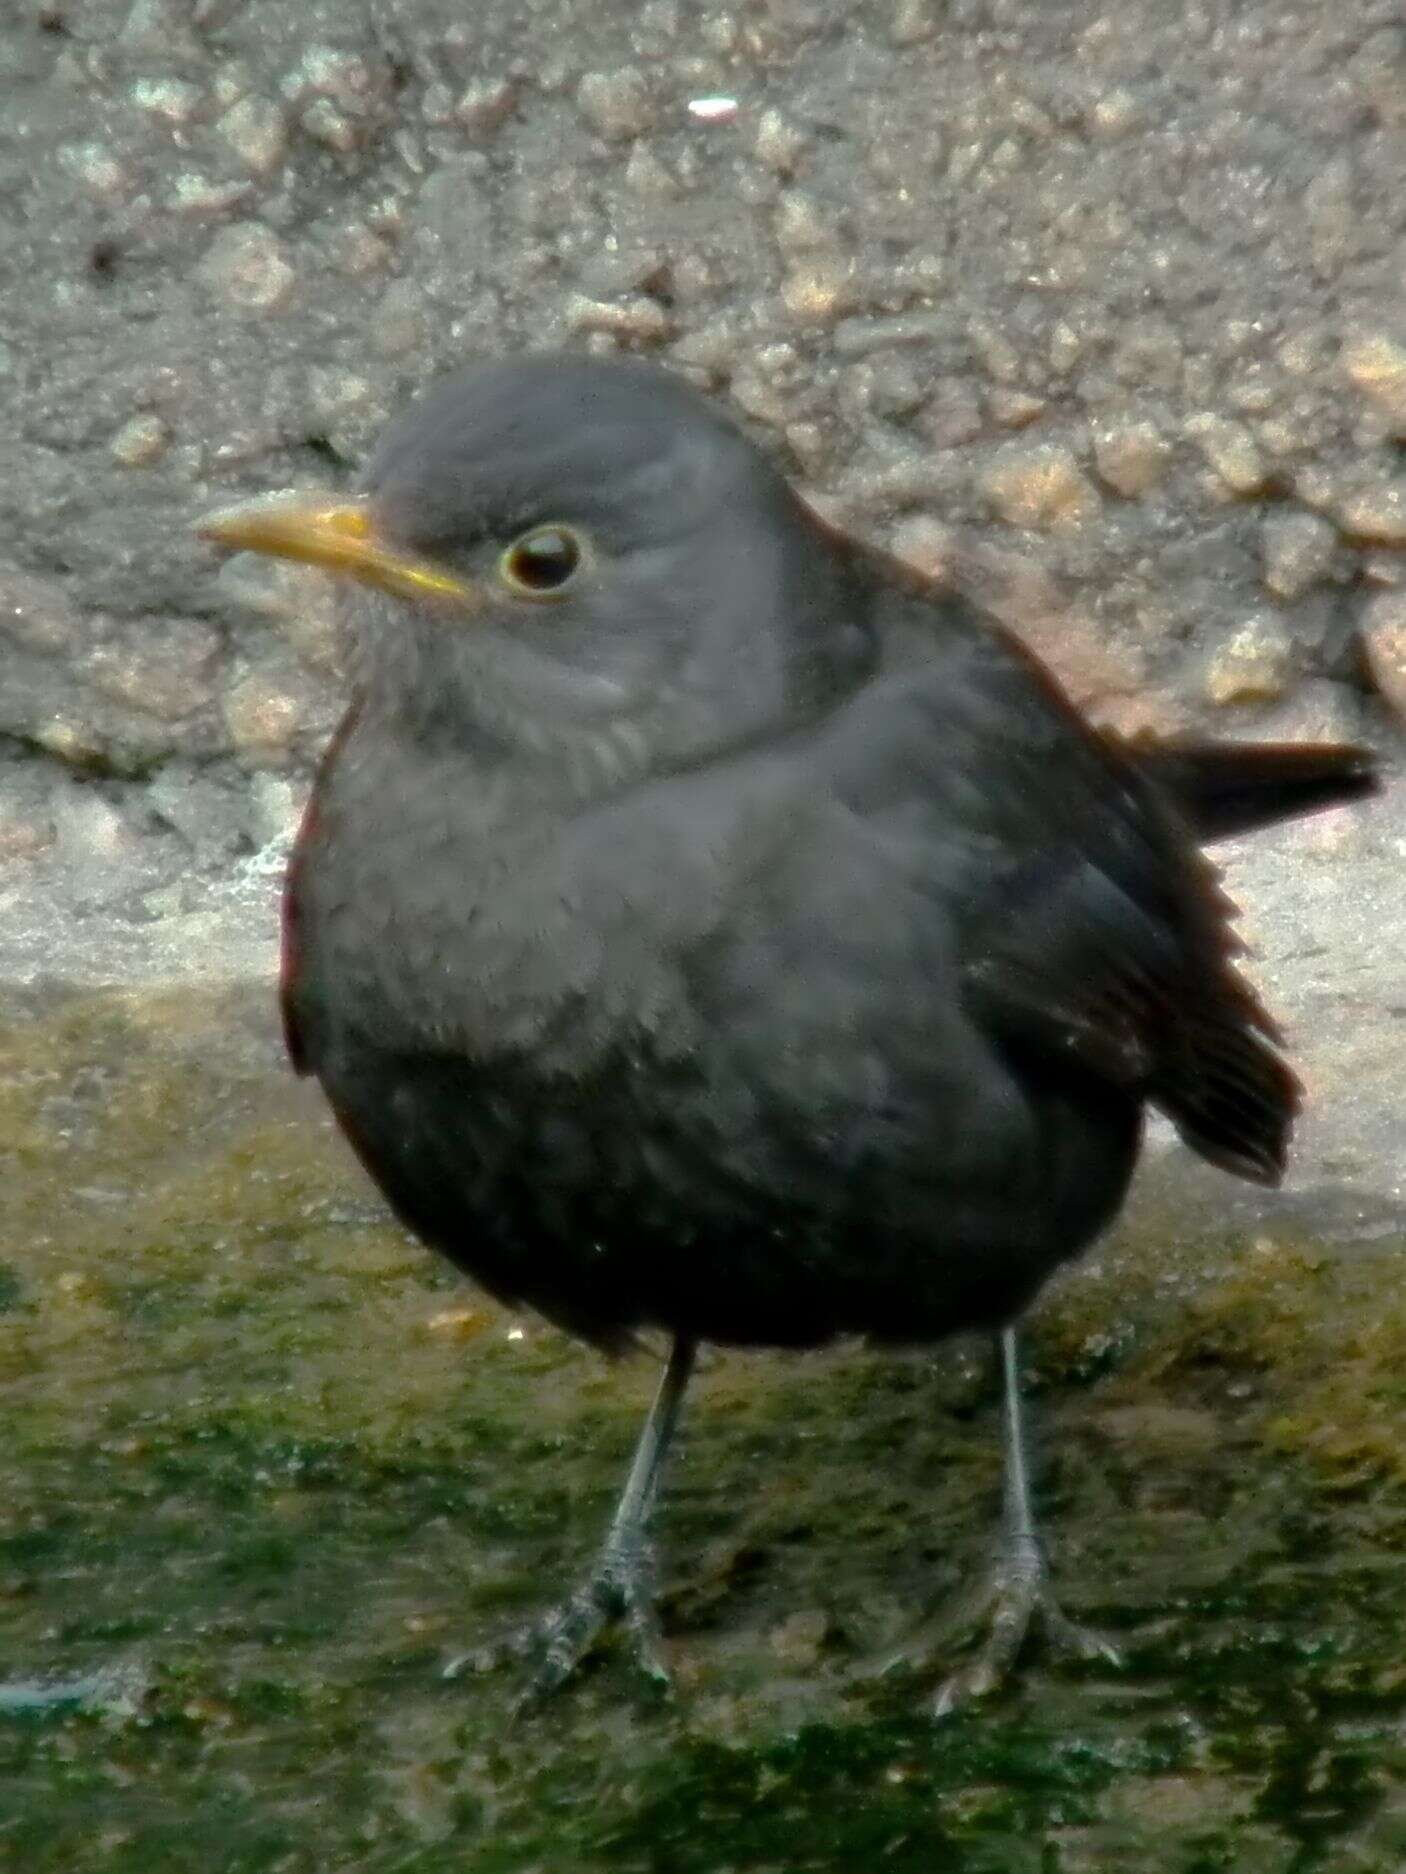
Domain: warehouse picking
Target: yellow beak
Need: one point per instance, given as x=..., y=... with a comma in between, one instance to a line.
x=334, y=534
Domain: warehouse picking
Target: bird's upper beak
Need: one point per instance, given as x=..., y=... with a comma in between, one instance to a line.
x=336, y=534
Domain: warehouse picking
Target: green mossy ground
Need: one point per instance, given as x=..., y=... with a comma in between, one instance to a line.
x=264, y=1465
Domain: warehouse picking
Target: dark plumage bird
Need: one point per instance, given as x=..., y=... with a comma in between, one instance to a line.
x=703, y=923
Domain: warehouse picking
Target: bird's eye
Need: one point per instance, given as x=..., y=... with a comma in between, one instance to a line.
x=542, y=563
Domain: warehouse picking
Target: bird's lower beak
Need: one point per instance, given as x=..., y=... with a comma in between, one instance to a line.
x=337, y=535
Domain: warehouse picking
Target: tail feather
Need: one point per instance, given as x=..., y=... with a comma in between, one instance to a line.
x=1226, y=788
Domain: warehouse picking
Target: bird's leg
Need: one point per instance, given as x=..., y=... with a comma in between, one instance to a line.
x=1018, y=1586
x=621, y=1585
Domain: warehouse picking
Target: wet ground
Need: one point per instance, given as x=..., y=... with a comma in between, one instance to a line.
x=265, y=1465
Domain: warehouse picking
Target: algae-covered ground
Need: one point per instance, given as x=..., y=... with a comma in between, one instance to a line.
x=265, y=1465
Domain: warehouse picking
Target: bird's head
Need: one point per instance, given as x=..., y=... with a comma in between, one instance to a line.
x=554, y=554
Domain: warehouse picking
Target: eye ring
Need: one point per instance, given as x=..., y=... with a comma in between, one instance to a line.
x=542, y=563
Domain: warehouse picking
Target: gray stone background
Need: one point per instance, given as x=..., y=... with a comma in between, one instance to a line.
x=1101, y=306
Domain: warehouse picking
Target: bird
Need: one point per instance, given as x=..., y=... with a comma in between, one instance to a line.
x=704, y=925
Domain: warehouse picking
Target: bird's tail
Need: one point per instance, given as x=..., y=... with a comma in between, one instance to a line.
x=1225, y=788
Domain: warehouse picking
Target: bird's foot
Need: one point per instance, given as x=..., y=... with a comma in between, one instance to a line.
x=1016, y=1592
x=620, y=1588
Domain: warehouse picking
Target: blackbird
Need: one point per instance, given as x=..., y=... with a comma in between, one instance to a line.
x=704, y=923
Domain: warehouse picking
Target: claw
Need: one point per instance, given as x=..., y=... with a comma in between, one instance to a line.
x=1017, y=1594
x=619, y=1589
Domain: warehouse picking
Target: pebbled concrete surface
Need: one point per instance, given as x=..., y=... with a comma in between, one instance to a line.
x=1102, y=306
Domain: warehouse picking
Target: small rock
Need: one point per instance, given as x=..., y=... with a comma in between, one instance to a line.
x=855, y=338
x=1376, y=364
x=719, y=31
x=326, y=124
x=437, y=105
x=358, y=251
x=306, y=608
x=92, y=828
x=486, y=106
x=925, y=544
x=1317, y=709
x=98, y=169
x=799, y=1638
x=1377, y=515
x=819, y=293
x=246, y=264
x=1283, y=439
x=335, y=72
x=1149, y=354
x=197, y=196
x=616, y=105
x=1297, y=551
x=166, y=669
x=1066, y=346
x=800, y=226
x=1302, y=353
x=1253, y=665
x=1130, y=457
x=1384, y=645
x=810, y=445
x=913, y=21
x=256, y=129
x=1013, y=409
x=261, y=714
x=458, y=1323
x=779, y=144
x=639, y=318
x=1230, y=450
x=1255, y=391
x=23, y=835
x=398, y=325
x=161, y=26
x=139, y=443
x=709, y=351
x=231, y=82
x=1115, y=113
x=1329, y=214
x=1099, y=671
x=647, y=177
x=36, y=613
x=898, y=387
x=1040, y=485
x=998, y=356
x=170, y=98
x=752, y=393
x=278, y=807
x=334, y=391
x=1324, y=489
x=952, y=415
x=75, y=743
x=1383, y=569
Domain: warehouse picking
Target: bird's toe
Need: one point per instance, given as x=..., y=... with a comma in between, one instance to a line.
x=618, y=1591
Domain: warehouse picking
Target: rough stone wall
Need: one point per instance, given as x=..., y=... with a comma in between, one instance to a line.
x=1101, y=303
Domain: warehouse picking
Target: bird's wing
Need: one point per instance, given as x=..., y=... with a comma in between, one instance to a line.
x=1093, y=936
x=1067, y=964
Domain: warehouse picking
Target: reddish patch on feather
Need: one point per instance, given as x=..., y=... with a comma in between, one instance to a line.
x=290, y=943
